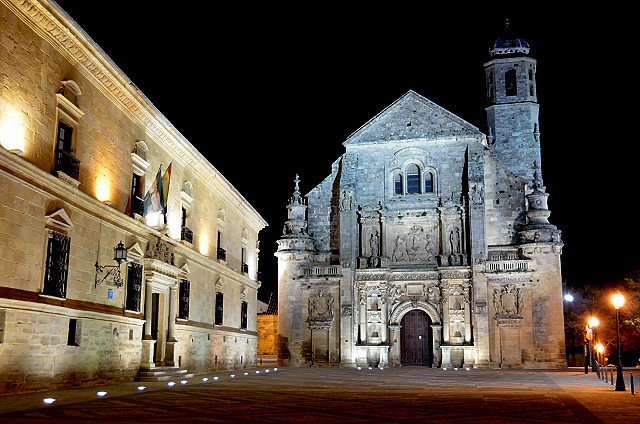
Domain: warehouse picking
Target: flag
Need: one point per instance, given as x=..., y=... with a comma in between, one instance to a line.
x=165, y=191
x=153, y=199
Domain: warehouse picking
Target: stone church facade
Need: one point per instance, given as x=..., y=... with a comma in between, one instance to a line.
x=81, y=145
x=429, y=243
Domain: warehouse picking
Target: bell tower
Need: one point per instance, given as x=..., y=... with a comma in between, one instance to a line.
x=295, y=247
x=512, y=111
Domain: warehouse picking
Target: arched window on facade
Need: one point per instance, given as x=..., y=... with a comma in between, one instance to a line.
x=397, y=184
x=428, y=182
x=511, y=86
x=413, y=179
x=490, y=86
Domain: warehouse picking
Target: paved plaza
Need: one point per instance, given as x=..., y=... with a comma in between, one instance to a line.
x=341, y=395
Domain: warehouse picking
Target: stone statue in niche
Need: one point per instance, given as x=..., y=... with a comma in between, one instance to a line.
x=476, y=194
x=374, y=244
x=454, y=240
x=321, y=304
x=346, y=203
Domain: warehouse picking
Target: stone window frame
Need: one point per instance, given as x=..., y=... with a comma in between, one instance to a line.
x=57, y=222
x=139, y=165
x=422, y=169
x=135, y=255
x=186, y=204
x=68, y=112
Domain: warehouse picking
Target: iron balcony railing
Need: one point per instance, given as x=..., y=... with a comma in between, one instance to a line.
x=186, y=234
x=67, y=163
x=222, y=254
x=137, y=205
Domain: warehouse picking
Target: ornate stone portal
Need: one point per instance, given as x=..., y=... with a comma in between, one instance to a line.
x=160, y=303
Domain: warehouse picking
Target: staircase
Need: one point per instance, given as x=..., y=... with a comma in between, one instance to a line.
x=163, y=373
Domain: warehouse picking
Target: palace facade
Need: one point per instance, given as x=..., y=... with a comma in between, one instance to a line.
x=98, y=285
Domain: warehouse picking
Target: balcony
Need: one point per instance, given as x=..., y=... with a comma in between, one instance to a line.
x=67, y=164
x=322, y=271
x=137, y=205
x=186, y=235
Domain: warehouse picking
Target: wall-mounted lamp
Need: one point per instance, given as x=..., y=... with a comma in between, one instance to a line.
x=16, y=151
x=119, y=255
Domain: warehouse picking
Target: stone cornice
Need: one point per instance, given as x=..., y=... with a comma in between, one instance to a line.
x=51, y=23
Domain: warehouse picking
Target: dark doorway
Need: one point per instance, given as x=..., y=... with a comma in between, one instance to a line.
x=415, y=339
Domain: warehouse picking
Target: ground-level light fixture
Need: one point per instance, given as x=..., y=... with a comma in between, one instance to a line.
x=119, y=255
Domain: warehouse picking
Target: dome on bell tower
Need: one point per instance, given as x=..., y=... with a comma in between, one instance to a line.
x=508, y=44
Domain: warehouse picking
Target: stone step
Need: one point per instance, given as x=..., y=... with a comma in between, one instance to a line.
x=162, y=374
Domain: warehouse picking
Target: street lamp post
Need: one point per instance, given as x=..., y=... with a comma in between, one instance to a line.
x=618, y=301
x=593, y=323
x=599, y=350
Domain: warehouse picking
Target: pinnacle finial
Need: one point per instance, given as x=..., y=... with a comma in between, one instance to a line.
x=537, y=180
x=296, y=192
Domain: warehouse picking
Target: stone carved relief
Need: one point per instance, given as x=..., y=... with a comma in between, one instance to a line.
x=160, y=250
x=320, y=305
x=508, y=300
x=416, y=246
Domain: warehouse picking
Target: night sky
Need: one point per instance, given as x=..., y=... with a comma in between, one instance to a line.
x=268, y=92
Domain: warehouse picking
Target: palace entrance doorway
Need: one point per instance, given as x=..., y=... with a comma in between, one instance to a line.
x=415, y=338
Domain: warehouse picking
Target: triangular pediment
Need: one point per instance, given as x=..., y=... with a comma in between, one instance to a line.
x=58, y=220
x=135, y=252
x=413, y=116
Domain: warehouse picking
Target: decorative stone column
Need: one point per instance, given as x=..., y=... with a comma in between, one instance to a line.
x=467, y=314
x=436, y=331
x=147, y=360
x=394, y=351
x=169, y=353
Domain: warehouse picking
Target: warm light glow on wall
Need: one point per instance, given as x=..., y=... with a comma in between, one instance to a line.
x=12, y=131
x=203, y=243
x=103, y=189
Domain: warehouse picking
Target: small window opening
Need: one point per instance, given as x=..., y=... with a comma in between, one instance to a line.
x=73, y=332
x=511, y=85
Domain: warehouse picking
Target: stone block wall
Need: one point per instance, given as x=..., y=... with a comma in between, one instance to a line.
x=41, y=51
x=267, y=334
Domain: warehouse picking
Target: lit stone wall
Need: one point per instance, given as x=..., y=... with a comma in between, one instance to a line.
x=492, y=296
x=41, y=53
x=267, y=334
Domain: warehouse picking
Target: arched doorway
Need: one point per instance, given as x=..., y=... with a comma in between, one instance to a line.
x=415, y=338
